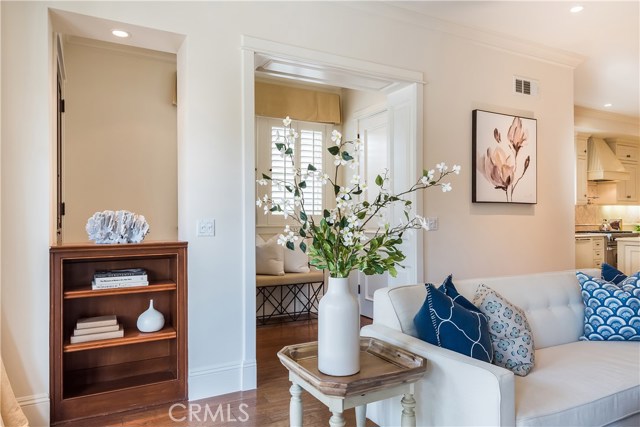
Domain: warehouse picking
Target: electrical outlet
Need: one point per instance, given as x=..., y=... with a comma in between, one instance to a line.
x=206, y=227
x=432, y=223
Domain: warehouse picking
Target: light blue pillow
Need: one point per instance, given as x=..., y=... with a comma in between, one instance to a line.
x=612, y=312
x=445, y=323
x=511, y=335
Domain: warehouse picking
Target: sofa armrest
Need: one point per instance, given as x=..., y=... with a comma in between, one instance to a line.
x=456, y=389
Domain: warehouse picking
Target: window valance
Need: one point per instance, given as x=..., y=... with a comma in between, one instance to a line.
x=300, y=104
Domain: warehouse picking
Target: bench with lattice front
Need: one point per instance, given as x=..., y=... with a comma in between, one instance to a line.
x=288, y=297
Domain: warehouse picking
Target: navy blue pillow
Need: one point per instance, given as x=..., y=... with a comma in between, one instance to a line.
x=443, y=322
x=612, y=274
x=450, y=290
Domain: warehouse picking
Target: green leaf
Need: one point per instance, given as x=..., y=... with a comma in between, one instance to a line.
x=288, y=151
x=336, y=189
x=296, y=193
x=290, y=246
x=289, y=188
x=346, y=156
x=311, y=167
x=357, y=192
x=274, y=208
x=365, y=204
x=279, y=146
x=303, y=247
x=303, y=216
x=326, y=213
x=333, y=150
x=303, y=184
x=379, y=181
x=302, y=233
x=267, y=177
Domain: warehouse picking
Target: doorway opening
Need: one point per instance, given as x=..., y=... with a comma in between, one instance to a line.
x=401, y=92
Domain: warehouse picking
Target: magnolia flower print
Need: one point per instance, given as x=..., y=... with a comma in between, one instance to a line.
x=500, y=166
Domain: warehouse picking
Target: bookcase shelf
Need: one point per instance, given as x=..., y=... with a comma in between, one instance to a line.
x=117, y=374
x=87, y=292
x=130, y=337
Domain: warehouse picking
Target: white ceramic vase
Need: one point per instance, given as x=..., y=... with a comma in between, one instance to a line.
x=338, y=330
x=151, y=320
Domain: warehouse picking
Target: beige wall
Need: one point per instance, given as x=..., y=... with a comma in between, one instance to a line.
x=605, y=124
x=120, y=136
x=473, y=240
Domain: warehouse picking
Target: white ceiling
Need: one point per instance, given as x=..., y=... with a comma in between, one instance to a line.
x=605, y=33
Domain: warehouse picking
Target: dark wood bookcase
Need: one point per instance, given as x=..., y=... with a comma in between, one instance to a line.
x=138, y=370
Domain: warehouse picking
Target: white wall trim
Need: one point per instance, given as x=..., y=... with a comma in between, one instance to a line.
x=36, y=408
x=364, y=68
x=215, y=380
x=490, y=39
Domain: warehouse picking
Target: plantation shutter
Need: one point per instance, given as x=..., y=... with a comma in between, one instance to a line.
x=311, y=154
x=281, y=168
x=308, y=150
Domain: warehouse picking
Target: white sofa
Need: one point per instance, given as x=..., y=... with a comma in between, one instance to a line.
x=573, y=383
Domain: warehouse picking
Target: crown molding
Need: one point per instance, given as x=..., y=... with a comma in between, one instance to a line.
x=584, y=112
x=120, y=48
x=486, y=38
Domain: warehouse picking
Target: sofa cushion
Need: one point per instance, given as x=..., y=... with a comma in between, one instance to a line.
x=612, y=274
x=612, y=312
x=551, y=301
x=445, y=323
x=511, y=335
x=585, y=383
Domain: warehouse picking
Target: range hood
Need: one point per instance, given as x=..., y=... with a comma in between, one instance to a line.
x=602, y=164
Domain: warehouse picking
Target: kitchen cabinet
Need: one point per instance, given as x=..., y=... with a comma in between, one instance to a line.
x=628, y=254
x=581, y=169
x=628, y=152
x=590, y=251
x=137, y=370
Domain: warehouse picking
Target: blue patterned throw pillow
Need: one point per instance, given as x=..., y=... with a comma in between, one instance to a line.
x=449, y=289
x=612, y=274
x=443, y=322
x=511, y=334
x=611, y=312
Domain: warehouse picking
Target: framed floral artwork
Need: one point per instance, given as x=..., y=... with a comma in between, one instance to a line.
x=504, y=158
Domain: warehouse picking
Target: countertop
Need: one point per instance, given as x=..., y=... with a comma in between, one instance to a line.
x=591, y=235
x=629, y=239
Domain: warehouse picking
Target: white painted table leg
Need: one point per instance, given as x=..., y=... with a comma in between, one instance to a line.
x=361, y=415
x=295, y=408
x=336, y=420
x=408, y=413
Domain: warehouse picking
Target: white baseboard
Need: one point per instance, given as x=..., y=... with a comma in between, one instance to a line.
x=36, y=409
x=250, y=375
x=220, y=379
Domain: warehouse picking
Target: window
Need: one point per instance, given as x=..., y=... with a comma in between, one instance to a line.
x=309, y=149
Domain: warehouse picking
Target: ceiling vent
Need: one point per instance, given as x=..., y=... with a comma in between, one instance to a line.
x=525, y=86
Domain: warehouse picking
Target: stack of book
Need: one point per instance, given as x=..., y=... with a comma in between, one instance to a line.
x=125, y=278
x=97, y=328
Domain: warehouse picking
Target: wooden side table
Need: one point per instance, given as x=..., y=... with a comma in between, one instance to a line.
x=385, y=371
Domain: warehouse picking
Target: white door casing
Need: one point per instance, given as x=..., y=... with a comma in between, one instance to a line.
x=405, y=97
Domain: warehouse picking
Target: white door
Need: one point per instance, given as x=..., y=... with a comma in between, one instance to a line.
x=374, y=132
x=396, y=130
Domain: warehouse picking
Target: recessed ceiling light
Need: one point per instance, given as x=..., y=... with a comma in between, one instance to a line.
x=576, y=9
x=120, y=33
x=607, y=105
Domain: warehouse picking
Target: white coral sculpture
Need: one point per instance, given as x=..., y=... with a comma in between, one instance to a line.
x=117, y=227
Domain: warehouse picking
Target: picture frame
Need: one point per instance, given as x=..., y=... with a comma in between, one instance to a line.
x=505, y=160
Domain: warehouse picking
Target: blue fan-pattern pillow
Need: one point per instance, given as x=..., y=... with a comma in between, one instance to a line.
x=443, y=322
x=612, y=312
x=612, y=274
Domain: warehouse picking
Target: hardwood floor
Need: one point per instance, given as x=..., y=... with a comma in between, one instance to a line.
x=266, y=406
